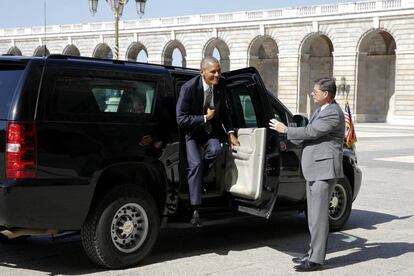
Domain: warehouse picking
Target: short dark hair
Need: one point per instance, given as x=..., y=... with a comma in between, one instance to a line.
x=327, y=84
x=207, y=60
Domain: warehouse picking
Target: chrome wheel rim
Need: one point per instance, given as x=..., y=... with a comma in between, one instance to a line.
x=337, y=204
x=129, y=227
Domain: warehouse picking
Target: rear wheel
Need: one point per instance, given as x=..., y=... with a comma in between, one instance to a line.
x=340, y=205
x=122, y=228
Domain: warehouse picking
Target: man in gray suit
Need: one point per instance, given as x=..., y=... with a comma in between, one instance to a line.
x=322, y=141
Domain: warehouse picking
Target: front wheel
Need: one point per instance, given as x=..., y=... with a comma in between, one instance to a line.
x=340, y=204
x=122, y=228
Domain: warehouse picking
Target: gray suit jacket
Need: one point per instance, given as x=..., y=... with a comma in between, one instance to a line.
x=322, y=141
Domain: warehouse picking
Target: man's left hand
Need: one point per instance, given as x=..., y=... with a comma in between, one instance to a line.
x=233, y=140
x=278, y=126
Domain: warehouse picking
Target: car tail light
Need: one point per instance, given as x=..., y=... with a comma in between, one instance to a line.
x=21, y=150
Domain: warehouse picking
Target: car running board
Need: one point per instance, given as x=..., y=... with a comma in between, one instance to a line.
x=265, y=213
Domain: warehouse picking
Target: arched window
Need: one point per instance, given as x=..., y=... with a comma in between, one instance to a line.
x=376, y=76
x=316, y=61
x=103, y=51
x=263, y=54
x=174, y=54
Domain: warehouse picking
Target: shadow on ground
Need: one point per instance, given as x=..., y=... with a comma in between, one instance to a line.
x=285, y=234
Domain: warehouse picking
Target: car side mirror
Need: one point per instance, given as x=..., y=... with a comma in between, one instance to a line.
x=300, y=120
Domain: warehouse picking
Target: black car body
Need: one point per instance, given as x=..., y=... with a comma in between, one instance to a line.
x=93, y=145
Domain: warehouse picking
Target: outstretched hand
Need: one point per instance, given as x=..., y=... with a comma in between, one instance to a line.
x=278, y=126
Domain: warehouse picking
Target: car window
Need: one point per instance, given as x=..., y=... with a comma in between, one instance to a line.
x=9, y=77
x=243, y=111
x=248, y=111
x=277, y=114
x=84, y=95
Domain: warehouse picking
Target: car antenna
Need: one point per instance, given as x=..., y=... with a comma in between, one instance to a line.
x=45, y=39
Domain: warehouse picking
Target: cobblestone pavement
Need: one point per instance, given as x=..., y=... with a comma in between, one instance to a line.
x=378, y=239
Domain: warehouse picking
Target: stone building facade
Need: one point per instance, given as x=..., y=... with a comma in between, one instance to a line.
x=367, y=46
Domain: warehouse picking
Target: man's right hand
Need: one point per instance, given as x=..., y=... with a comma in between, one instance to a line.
x=233, y=140
x=210, y=114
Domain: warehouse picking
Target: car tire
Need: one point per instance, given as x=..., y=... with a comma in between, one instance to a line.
x=340, y=205
x=121, y=228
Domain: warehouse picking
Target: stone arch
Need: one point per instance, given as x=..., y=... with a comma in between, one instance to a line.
x=102, y=50
x=41, y=51
x=134, y=50
x=71, y=50
x=167, y=53
x=223, y=52
x=376, y=76
x=316, y=61
x=14, y=51
x=263, y=54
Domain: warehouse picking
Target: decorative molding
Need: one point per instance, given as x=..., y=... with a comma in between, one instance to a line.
x=262, y=29
x=206, y=20
x=376, y=22
x=215, y=33
x=315, y=26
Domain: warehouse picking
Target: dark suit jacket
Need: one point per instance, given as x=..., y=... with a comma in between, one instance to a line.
x=189, y=109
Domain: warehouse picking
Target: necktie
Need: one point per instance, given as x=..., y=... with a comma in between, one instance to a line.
x=208, y=98
x=315, y=114
x=207, y=103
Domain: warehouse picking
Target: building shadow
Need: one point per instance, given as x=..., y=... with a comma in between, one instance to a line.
x=370, y=220
x=287, y=234
x=366, y=251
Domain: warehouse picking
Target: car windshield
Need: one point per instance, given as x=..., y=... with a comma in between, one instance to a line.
x=9, y=77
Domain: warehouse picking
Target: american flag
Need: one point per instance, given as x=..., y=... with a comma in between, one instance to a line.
x=350, y=136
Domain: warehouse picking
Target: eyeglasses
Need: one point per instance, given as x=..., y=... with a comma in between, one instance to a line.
x=315, y=91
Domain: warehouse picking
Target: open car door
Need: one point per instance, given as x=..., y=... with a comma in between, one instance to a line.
x=252, y=169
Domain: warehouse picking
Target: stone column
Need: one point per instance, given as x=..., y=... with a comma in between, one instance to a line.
x=238, y=60
x=155, y=46
x=402, y=103
x=345, y=64
x=288, y=80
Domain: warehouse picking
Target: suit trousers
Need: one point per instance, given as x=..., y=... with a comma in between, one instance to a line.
x=318, y=195
x=212, y=149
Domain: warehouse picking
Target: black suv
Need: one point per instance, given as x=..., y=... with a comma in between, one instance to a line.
x=93, y=145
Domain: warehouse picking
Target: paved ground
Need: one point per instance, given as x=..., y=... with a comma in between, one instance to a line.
x=378, y=240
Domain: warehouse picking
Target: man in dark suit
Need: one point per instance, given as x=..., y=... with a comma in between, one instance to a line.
x=322, y=141
x=202, y=111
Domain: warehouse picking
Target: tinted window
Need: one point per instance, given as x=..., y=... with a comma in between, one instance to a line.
x=244, y=114
x=83, y=95
x=280, y=113
x=9, y=77
x=248, y=111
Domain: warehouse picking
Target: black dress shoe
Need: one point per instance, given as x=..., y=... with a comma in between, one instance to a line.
x=195, y=219
x=308, y=266
x=299, y=260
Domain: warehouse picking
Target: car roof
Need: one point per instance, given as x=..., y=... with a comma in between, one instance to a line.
x=91, y=61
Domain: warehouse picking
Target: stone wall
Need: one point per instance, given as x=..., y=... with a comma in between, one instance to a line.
x=367, y=45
